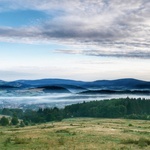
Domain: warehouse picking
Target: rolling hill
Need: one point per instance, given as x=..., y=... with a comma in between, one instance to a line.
x=127, y=85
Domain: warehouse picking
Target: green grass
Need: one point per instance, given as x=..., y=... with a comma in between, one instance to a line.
x=79, y=134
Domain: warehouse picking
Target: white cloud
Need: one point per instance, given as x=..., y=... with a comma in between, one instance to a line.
x=99, y=27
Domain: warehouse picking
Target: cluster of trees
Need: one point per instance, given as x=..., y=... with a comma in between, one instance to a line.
x=30, y=116
x=4, y=121
x=115, y=108
x=43, y=115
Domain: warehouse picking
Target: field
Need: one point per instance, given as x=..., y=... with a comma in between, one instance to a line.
x=79, y=134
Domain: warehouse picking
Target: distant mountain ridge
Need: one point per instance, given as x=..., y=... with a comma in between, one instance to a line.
x=120, y=84
x=79, y=86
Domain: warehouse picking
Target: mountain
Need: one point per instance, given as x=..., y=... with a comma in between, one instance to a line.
x=78, y=86
x=120, y=84
x=44, y=82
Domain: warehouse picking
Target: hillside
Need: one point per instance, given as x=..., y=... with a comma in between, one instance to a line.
x=114, y=108
x=54, y=89
x=78, y=134
x=54, y=128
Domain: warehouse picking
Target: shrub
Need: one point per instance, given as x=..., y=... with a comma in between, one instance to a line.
x=130, y=125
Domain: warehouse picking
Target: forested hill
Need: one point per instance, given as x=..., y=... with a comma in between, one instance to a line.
x=114, y=108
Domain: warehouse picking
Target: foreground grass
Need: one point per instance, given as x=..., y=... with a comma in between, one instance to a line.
x=79, y=134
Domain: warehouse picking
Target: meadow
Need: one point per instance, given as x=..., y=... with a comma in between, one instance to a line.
x=78, y=134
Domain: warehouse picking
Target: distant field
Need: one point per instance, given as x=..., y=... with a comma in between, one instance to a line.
x=79, y=134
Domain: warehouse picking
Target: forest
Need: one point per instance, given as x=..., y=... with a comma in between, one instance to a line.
x=129, y=108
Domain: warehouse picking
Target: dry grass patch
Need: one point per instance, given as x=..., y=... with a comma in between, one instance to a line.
x=78, y=134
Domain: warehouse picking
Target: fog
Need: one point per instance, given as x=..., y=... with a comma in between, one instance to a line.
x=57, y=99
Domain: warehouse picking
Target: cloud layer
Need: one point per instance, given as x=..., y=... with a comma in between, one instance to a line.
x=98, y=27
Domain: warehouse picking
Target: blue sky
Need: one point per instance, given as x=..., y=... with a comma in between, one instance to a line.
x=76, y=39
x=19, y=18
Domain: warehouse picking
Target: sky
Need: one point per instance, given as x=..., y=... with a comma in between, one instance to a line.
x=74, y=39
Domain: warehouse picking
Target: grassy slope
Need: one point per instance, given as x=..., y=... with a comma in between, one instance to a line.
x=78, y=134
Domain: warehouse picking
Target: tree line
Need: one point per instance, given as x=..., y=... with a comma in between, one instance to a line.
x=115, y=108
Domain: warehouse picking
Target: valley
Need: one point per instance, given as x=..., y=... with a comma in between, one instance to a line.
x=59, y=92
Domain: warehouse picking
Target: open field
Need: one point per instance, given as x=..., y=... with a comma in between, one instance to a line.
x=79, y=134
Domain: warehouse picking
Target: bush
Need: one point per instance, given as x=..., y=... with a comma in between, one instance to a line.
x=130, y=125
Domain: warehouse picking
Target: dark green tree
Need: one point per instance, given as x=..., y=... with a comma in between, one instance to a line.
x=4, y=121
x=14, y=121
